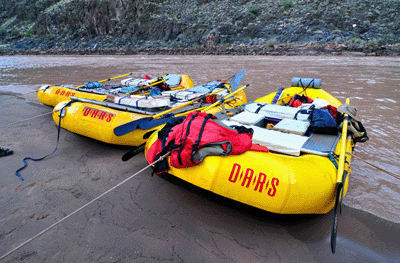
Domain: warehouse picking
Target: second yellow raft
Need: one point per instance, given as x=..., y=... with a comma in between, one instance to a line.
x=99, y=122
x=51, y=95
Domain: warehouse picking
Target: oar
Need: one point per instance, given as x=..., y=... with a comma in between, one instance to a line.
x=133, y=152
x=156, y=121
x=236, y=79
x=156, y=82
x=340, y=180
x=109, y=79
x=225, y=98
x=133, y=125
x=145, y=87
x=138, y=149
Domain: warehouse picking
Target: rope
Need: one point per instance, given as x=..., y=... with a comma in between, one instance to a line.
x=79, y=209
x=1, y=127
x=373, y=165
x=44, y=157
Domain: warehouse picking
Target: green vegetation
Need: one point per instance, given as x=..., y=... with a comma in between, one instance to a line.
x=254, y=9
x=29, y=33
x=287, y=3
x=271, y=42
x=372, y=42
x=15, y=32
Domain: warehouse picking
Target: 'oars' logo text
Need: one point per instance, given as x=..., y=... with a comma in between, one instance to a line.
x=65, y=93
x=98, y=114
x=247, y=178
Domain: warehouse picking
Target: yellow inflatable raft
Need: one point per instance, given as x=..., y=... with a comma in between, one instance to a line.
x=125, y=125
x=51, y=95
x=300, y=173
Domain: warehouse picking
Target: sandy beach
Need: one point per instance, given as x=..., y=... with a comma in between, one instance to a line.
x=149, y=218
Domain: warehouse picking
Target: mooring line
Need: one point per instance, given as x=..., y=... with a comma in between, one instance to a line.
x=79, y=209
x=1, y=127
x=375, y=166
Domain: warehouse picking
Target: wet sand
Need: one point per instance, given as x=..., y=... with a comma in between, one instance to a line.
x=149, y=218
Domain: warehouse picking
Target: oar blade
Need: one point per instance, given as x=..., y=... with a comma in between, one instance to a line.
x=148, y=134
x=154, y=123
x=130, y=126
x=336, y=213
x=132, y=153
x=236, y=79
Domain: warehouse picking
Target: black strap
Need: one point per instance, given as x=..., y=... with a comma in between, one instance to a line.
x=183, y=140
x=163, y=133
x=39, y=159
x=301, y=111
x=195, y=146
x=259, y=108
x=304, y=88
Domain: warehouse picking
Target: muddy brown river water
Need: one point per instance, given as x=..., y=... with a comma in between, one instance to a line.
x=371, y=83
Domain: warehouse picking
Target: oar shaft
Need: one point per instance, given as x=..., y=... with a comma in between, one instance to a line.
x=341, y=174
x=184, y=105
x=117, y=77
x=198, y=109
x=146, y=87
x=343, y=139
x=227, y=97
x=104, y=80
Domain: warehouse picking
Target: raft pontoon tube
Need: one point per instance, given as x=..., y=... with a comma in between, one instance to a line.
x=51, y=95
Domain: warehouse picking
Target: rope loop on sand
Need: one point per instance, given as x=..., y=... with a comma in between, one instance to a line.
x=82, y=207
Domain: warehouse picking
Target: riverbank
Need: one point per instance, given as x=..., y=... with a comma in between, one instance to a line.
x=243, y=49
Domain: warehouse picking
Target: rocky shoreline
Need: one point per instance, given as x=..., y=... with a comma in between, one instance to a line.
x=263, y=50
